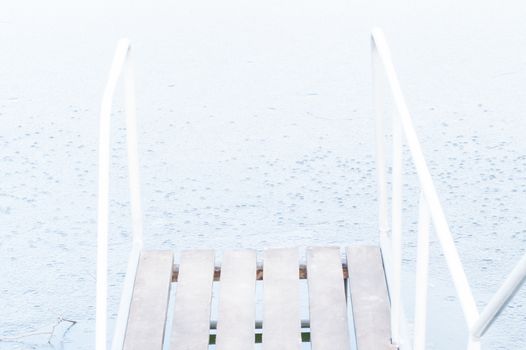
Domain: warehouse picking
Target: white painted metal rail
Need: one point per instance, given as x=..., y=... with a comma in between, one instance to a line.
x=121, y=61
x=430, y=211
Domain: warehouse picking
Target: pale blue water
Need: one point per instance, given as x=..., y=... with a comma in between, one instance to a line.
x=256, y=130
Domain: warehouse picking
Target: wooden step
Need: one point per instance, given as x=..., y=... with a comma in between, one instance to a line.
x=280, y=273
x=327, y=302
x=191, y=320
x=149, y=303
x=370, y=301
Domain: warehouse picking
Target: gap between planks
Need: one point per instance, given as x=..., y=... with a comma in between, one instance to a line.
x=302, y=272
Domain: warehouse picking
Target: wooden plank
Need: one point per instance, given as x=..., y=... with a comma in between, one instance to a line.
x=281, y=304
x=237, y=301
x=327, y=304
x=369, y=297
x=191, y=321
x=149, y=303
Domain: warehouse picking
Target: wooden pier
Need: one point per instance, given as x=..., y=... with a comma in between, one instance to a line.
x=333, y=286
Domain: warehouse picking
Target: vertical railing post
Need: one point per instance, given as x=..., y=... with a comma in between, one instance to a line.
x=135, y=202
x=396, y=229
x=422, y=273
x=122, y=59
x=103, y=198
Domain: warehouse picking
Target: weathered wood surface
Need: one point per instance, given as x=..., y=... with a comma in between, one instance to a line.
x=327, y=304
x=281, y=300
x=237, y=307
x=369, y=296
x=191, y=320
x=149, y=303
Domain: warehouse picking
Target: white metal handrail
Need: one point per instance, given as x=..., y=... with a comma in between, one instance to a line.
x=430, y=209
x=121, y=60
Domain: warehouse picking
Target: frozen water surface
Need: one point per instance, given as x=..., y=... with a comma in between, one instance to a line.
x=255, y=130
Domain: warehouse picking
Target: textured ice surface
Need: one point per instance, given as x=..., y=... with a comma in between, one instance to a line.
x=256, y=130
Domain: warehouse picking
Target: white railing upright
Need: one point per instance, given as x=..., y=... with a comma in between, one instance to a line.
x=121, y=61
x=430, y=212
